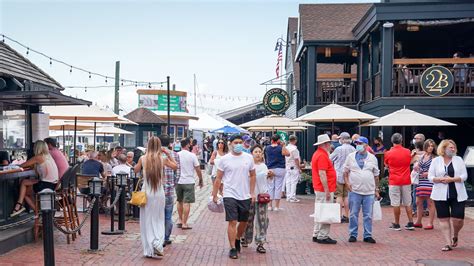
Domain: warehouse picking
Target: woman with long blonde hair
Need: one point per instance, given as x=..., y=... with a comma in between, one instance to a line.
x=152, y=215
x=47, y=172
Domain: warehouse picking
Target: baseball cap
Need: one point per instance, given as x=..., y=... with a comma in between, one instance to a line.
x=362, y=140
x=236, y=136
x=246, y=137
x=344, y=135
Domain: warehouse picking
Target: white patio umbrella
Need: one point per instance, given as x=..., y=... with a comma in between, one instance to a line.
x=336, y=113
x=407, y=117
x=274, y=122
x=268, y=129
x=109, y=130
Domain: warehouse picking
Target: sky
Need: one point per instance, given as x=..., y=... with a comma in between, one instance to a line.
x=228, y=45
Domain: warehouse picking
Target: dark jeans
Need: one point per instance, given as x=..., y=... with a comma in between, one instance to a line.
x=168, y=216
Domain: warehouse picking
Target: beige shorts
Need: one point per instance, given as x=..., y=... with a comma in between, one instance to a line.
x=341, y=191
x=400, y=195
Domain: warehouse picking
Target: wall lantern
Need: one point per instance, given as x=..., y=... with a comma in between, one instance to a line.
x=327, y=52
x=413, y=28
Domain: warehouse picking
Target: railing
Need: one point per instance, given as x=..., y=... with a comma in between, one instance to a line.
x=407, y=74
x=337, y=91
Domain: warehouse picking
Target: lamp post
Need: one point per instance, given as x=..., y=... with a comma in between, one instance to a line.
x=95, y=186
x=47, y=199
x=113, y=183
x=122, y=179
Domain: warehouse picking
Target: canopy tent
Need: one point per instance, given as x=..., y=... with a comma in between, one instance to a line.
x=274, y=122
x=228, y=130
x=336, y=113
x=208, y=122
x=407, y=117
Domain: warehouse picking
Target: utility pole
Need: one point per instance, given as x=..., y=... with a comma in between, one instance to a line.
x=169, y=104
x=117, y=97
x=195, y=96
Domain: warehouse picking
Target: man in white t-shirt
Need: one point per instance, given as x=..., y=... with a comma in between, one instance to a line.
x=293, y=170
x=237, y=171
x=189, y=165
x=122, y=167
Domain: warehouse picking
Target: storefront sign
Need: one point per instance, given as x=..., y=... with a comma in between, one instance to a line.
x=276, y=101
x=437, y=81
x=159, y=102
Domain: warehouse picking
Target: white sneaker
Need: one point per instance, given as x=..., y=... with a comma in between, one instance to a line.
x=277, y=209
x=294, y=200
x=270, y=208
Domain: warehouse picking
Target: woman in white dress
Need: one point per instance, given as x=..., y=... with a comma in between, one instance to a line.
x=152, y=215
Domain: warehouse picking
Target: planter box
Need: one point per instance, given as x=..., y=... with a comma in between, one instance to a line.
x=301, y=188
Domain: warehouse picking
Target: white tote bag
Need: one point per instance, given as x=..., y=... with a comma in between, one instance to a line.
x=415, y=177
x=327, y=213
x=377, y=211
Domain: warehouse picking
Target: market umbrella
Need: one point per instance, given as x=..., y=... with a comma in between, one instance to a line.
x=274, y=122
x=269, y=129
x=406, y=117
x=228, y=130
x=63, y=125
x=108, y=130
x=335, y=113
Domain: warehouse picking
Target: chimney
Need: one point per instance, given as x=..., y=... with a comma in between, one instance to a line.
x=174, y=87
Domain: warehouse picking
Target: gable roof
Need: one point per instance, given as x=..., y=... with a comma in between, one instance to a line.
x=330, y=22
x=292, y=28
x=13, y=64
x=144, y=116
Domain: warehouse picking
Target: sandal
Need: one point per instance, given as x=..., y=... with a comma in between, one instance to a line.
x=429, y=227
x=19, y=210
x=186, y=227
x=455, y=241
x=447, y=248
x=243, y=243
x=179, y=225
x=261, y=249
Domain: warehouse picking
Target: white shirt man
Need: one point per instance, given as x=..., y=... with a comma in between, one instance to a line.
x=293, y=169
x=237, y=171
x=189, y=166
x=361, y=173
x=122, y=167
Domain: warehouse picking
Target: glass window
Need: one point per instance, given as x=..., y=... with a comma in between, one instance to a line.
x=147, y=135
x=180, y=133
x=12, y=129
x=172, y=132
x=129, y=140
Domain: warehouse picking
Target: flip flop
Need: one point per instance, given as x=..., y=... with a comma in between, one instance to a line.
x=455, y=241
x=179, y=225
x=186, y=228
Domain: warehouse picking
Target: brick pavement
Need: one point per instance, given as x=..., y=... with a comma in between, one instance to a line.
x=289, y=239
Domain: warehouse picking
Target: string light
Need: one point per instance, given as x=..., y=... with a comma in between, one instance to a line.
x=51, y=59
x=105, y=79
x=70, y=70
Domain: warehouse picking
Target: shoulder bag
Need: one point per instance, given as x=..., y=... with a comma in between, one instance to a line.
x=138, y=197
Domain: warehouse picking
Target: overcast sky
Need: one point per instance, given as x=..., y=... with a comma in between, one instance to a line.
x=229, y=45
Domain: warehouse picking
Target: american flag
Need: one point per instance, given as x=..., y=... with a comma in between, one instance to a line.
x=280, y=58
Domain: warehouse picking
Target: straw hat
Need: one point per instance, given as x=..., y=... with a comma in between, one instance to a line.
x=322, y=139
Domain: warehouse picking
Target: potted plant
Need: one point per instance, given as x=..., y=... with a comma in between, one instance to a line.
x=305, y=186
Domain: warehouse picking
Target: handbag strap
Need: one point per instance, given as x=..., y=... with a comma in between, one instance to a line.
x=138, y=182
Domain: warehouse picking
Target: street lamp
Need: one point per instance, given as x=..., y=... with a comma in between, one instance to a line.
x=122, y=179
x=95, y=186
x=47, y=199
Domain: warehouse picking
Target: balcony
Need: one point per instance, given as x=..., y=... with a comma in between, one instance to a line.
x=336, y=88
x=407, y=74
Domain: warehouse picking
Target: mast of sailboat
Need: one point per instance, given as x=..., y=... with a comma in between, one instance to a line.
x=195, y=102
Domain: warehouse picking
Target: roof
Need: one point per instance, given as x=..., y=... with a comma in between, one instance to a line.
x=240, y=110
x=330, y=22
x=144, y=116
x=13, y=64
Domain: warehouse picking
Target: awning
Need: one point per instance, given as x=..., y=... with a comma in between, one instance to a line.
x=42, y=98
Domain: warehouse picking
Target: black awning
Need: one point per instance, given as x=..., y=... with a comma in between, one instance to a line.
x=38, y=98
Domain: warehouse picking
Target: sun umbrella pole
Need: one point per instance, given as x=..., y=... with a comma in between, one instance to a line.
x=95, y=131
x=74, y=140
x=64, y=140
x=332, y=127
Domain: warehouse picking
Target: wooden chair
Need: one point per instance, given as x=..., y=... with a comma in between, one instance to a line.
x=83, y=188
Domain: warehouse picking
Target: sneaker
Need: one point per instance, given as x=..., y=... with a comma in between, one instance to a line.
x=243, y=243
x=353, y=239
x=315, y=239
x=294, y=200
x=277, y=209
x=233, y=254
x=410, y=226
x=237, y=245
x=344, y=219
x=327, y=241
x=270, y=208
x=418, y=225
x=395, y=227
x=369, y=240
x=158, y=252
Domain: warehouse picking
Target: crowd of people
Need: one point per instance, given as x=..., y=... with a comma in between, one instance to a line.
x=251, y=179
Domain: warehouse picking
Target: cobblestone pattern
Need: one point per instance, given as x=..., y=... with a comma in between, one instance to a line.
x=289, y=237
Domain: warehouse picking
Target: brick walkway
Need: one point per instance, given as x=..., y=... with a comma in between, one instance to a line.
x=289, y=239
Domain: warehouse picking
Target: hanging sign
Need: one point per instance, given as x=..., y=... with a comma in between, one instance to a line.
x=276, y=101
x=437, y=81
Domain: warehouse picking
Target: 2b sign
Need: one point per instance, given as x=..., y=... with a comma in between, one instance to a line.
x=437, y=81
